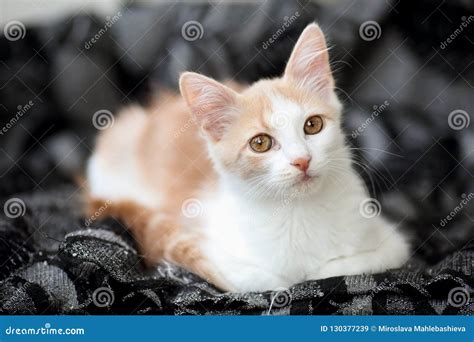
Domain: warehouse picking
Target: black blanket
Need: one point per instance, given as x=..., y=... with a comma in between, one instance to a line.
x=415, y=155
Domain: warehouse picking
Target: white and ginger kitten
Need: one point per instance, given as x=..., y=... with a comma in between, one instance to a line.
x=251, y=189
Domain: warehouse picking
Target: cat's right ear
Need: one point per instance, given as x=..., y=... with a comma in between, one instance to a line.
x=210, y=102
x=309, y=65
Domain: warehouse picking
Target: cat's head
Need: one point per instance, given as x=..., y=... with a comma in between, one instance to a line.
x=279, y=136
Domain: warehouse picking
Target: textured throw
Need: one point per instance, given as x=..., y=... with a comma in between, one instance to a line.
x=399, y=88
x=97, y=270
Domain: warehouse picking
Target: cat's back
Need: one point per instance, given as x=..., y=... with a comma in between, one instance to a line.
x=149, y=154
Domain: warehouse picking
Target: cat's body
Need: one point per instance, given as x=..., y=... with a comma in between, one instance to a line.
x=246, y=214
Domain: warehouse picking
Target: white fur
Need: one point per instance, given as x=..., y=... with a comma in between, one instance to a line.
x=261, y=246
x=276, y=230
x=298, y=233
x=283, y=232
x=121, y=183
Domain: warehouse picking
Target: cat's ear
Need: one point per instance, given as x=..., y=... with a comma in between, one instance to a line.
x=210, y=102
x=308, y=65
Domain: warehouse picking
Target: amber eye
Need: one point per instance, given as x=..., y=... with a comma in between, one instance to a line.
x=261, y=143
x=313, y=124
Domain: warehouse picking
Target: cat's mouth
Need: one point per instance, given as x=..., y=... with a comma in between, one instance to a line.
x=305, y=179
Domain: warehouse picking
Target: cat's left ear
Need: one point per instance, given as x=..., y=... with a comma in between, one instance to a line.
x=309, y=66
x=210, y=102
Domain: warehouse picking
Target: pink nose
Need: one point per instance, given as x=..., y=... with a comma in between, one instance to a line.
x=301, y=163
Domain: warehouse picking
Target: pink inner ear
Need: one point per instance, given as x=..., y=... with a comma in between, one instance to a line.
x=309, y=62
x=210, y=102
x=217, y=128
x=214, y=117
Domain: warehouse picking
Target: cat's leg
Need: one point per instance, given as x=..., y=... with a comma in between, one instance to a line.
x=186, y=251
x=136, y=218
x=162, y=237
x=159, y=236
x=392, y=252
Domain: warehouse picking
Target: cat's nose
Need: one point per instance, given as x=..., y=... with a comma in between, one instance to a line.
x=301, y=163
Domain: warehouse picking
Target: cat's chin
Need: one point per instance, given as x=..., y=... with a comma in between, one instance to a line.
x=305, y=185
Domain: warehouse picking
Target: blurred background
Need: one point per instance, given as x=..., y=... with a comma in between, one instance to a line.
x=404, y=69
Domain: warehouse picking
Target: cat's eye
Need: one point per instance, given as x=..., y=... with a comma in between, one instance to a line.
x=261, y=143
x=313, y=124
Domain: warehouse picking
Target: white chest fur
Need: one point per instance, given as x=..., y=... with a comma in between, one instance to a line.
x=272, y=245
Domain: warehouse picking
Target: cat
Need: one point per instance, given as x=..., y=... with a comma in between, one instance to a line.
x=251, y=188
